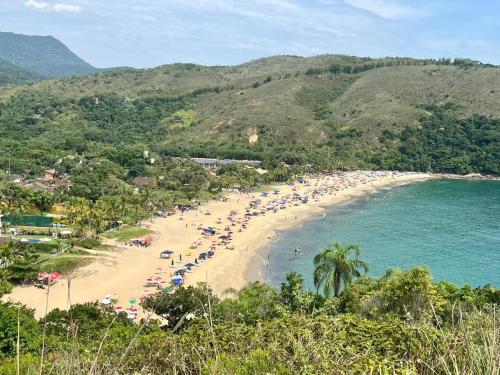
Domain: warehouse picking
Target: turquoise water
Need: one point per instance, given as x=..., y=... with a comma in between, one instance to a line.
x=450, y=226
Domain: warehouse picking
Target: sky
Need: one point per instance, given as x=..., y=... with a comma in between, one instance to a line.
x=147, y=33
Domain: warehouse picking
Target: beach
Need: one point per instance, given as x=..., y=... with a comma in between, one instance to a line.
x=252, y=220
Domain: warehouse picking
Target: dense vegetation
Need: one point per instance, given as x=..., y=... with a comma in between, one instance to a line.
x=10, y=73
x=329, y=111
x=43, y=55
x=401, y=323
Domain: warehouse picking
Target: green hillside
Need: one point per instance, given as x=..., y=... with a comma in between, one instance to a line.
x=331, y=111
x=10, y=73
x=44, y=55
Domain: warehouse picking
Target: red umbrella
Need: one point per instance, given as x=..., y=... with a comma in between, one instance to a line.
x=54, y=276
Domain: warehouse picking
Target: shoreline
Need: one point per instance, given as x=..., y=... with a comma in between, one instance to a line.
x=248, y=267
x=126, y=270
x=255, y=270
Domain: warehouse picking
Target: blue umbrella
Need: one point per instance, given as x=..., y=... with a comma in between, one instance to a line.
x=180, y=272
x=168, y=252
x=190, y=265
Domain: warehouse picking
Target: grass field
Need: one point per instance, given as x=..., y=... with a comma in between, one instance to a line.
x=128, y=232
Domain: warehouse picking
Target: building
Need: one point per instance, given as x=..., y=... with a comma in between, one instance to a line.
x=217, y=163
x=39, y=185
x=50, y=174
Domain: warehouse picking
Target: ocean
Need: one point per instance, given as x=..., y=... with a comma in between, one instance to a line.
x=450, y=226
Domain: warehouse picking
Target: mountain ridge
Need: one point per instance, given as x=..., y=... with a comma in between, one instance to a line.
x=44, y=55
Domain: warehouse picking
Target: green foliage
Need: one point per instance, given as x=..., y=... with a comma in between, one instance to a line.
x=334, y=267
x=259, y=330
x=253, y=303
x=10, y=73
x=5, y=287
x=63, y=264
x=445, y=143
x=128, y=232
x=87, y=243
x=184, y=305
x=30, y=333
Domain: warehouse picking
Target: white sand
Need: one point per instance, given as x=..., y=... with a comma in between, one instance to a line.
x=125, y=271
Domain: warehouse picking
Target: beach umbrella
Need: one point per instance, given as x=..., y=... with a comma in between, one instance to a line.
x=42, y=276
x=211, y=253
x=133, y=301
x=54, y=276
x=106, y=301
x=190, y=265
x=182, y=271
x=119, y=309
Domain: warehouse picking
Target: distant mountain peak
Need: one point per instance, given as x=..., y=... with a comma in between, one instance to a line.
x=44, y=55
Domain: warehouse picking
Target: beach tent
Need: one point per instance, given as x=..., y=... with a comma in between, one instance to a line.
x=177, y=280
x=182, y=271
x=166, y=254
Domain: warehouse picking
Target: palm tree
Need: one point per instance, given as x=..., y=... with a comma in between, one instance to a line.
x=334, y=267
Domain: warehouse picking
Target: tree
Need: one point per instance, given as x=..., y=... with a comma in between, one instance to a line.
x=185, y=304
x=253, y=303
x=334, y=267
x=295, y=298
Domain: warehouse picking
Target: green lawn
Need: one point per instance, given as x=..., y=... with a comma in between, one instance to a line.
x=128, y=232
x=64, y=264
x=268, y=187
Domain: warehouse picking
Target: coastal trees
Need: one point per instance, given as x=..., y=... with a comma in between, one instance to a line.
x=182, y=306
x=335, y=267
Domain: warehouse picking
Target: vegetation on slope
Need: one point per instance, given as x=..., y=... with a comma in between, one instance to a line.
x=13, y=74
x=401, y=323
x=331, y=111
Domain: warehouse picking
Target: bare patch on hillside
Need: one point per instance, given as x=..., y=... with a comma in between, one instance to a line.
x=253, y=137
x=255, y=103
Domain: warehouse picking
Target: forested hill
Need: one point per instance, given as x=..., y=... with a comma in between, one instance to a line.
x=332, y=111
x=44, y=55
x=10, y=73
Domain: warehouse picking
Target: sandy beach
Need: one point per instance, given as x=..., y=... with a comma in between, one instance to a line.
x=124, y=272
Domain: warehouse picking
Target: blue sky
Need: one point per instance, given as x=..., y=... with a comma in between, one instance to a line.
x=146, y=33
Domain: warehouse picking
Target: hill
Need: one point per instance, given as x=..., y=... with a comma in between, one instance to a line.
x=10, y=73
x=332, y=111
x=44, y=55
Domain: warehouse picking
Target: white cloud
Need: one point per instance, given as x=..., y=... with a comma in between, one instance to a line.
x=56, y=7
x=386, y=9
